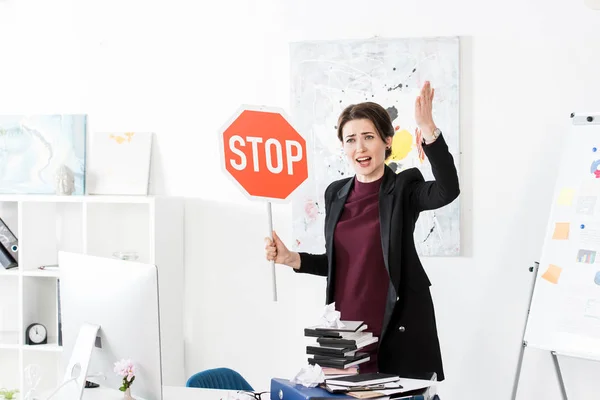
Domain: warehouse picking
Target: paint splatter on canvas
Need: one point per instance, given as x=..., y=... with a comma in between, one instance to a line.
x=327, y=76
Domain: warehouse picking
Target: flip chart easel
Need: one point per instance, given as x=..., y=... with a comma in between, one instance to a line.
x=564, y=303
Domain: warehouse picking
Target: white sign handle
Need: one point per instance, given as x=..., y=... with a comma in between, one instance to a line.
x=273, y=277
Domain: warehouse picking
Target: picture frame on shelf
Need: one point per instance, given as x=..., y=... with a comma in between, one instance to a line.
x=119, y=163
x=36, y=147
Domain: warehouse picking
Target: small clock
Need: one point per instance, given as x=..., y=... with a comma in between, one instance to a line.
x=35, y=334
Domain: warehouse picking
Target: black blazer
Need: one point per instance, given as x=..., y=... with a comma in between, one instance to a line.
x=409, y=344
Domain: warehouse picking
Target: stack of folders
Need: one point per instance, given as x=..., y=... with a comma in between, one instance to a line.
x=381, y=386
x=339, y=347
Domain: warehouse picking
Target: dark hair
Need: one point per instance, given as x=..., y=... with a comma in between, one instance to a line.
x=374, y=113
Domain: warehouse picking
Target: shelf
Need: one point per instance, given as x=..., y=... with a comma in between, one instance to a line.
x=41, y=198
x=119, y=199
x=40, y=306
x=152, y=226
x=9, y=272
x=46, y=229
x=9, y=311
x=50, y=369
x=37, y=273
x=75, y=199
x=119, y=227
x=9, y=370
x=50, y=347
x=9, y=340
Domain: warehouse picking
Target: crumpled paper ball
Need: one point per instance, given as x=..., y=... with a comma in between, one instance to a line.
x=331, y=317
x=309, y=376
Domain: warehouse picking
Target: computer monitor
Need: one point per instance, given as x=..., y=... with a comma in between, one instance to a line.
x=121, y=297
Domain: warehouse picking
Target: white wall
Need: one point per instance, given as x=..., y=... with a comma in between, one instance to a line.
x=180, y=68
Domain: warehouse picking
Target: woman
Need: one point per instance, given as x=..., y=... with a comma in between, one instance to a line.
x=373, y=271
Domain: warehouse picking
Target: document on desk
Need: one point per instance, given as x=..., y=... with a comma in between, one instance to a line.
x=408, y=385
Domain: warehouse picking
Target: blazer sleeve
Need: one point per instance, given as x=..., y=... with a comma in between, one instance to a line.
x=430, y=195
x=316, y=264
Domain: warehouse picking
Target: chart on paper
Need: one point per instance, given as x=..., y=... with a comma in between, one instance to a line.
x=565, y=309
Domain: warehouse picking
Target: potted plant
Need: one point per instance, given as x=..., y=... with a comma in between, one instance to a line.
x=8, y=394
x=126, y=369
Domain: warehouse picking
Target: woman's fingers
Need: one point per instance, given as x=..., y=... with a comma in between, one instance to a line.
x=270, y=249
x=271, y=255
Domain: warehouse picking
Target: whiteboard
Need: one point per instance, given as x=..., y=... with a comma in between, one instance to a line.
x=565, y=307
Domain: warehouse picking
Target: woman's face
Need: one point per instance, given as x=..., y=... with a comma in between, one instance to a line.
x=364, y=149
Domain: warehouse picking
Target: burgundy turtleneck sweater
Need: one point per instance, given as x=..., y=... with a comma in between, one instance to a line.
x=361, y=280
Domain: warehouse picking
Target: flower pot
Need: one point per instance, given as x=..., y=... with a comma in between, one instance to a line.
x=127, y=395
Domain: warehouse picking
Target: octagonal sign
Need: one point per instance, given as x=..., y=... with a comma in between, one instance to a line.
x=263, y=153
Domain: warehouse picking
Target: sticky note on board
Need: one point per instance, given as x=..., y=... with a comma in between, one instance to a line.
x=561, y=231
x=552, y=274
x=565, y=197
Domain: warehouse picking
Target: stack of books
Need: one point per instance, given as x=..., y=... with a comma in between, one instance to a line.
x=339, y=347
x=330, y=372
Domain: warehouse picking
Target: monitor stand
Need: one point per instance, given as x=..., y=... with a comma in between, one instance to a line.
x=77, y=368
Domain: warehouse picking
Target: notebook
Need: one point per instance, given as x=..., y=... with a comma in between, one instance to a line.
x=370, y=378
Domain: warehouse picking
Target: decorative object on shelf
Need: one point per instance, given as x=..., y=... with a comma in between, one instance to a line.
x=36, y=334
x=64, y=181
x=49, y=267
x=126, y=255
x=9, y=240
x=8, y=394
x=32, y=380
x=35, y=146
x=119, y=163
x=126, y=369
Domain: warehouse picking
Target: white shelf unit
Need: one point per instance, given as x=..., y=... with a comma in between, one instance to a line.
x=152, y=226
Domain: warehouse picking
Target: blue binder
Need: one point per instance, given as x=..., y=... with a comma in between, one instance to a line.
x=283, y=389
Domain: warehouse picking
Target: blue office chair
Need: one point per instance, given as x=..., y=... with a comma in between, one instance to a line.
x=219, y=378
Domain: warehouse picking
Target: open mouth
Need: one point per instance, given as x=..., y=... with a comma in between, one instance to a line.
x=363, y=161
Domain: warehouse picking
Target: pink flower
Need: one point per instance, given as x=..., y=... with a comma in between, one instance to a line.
x=125, y=368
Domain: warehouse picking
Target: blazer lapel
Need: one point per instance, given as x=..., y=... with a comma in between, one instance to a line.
x=386, y=202
x=337, y=206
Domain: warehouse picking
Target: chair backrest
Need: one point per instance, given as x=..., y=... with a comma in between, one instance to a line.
x=219, y=378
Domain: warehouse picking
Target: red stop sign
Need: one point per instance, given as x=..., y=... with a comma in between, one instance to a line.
x=263, y=153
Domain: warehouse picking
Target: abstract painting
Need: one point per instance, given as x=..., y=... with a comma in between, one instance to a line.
x=327, y=76
x=33, y=148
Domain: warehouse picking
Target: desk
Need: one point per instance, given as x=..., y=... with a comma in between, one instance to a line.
x=169, y=393
x=185, y=393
